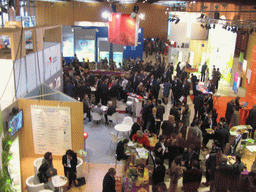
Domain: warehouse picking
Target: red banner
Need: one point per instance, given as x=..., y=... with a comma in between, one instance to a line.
x=122, y=29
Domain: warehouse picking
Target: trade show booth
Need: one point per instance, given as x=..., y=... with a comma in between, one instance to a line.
x=47, y=120
x=91, y=44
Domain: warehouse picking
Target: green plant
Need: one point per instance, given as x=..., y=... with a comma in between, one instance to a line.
x=5, y=180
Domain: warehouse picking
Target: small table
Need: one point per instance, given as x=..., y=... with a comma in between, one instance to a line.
x=122, y=128
x=104, y=108
x=59, y=181
x=46, y=190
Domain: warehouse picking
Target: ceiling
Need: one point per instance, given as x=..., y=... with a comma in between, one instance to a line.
x=168, y=2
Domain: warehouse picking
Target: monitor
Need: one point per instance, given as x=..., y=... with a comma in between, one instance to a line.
x=16, y=123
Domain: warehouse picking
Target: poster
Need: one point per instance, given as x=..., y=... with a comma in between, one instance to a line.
x=122, y=29
x=244, y=68
x=85, y=49
x=241, y=60
x=51, y=129
x=236, y=82
x=103, y=55
x=118, y=58
x=248, y=76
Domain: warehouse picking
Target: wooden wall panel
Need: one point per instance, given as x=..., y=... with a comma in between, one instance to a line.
x=66, y=13
x=26, y=134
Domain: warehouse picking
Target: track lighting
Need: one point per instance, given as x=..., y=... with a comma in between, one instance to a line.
x=177, y=21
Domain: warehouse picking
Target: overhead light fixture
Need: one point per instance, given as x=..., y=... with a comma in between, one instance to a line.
x=213, y=26
x=202, y=25
x=142, y=16
x=251, y=31
x=224, y=27
x=229, y=28
x=177, y=21
x=105, y=15
x=208, y=26
x=202, y=16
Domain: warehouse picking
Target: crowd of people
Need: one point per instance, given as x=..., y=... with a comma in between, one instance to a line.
x=180, y=141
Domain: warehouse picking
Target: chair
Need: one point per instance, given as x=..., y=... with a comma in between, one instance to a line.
x=113, y=117
x=79, y=167
x=37, y=163
x=114, y=138
x=33, y=184
x=128, y=121
x=96, y=117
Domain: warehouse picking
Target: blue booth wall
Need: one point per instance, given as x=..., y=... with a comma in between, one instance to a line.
x=129, y=51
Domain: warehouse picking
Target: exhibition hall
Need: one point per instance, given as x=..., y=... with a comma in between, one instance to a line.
x=128, y=96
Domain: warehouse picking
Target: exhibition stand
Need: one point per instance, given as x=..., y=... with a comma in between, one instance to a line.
x=52, y=121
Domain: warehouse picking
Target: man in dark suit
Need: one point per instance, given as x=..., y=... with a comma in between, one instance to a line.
x=204, y=67
x=185, y=91
x=146, y=111
x=251, y=119
x=160, y=110
x=222, y=135
x=135, y=127
x=224, y=123
x=209, y=103
x=158, y=174
x=189, y=156
x=87, y=104
x=104, y=93
x=181, y=128
x=109, y=182
x=168, y=126
x=229, y=111
x=175, y=111
x=212, y=162
x=192, y=178
x=198, y=105
x=176, y=89
x=211, y=87
x=111, y=110
x=160, y=150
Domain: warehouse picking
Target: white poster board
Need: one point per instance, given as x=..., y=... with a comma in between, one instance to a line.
x=51, y=129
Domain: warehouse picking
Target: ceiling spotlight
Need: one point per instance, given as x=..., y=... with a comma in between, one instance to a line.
x=202, y=16
x=105, y=15
x=142, y=16
x=135, y=10
x=251, y=31
x=177, y=21
x=213, y=26
x=202, y=25
x=224, y=27
x=229, y=28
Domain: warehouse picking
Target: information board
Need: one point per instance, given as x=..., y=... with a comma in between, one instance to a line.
x=51, y=129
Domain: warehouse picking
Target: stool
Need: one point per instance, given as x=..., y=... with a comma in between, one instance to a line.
x=129, y=107
x=85, y=137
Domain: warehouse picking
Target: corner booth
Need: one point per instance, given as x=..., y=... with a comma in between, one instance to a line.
x=48, y=121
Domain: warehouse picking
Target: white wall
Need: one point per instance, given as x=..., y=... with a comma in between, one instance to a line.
x=7, y=90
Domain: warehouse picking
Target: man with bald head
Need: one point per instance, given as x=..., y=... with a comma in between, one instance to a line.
x=251, y=120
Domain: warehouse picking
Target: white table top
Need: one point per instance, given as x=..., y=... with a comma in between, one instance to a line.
x=251, y=148
x=123, y=127
x=46, y=190
x=93, y=89
x=104, y=108
x=59, y=180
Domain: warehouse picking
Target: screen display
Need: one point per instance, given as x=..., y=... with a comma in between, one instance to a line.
x=16, y=123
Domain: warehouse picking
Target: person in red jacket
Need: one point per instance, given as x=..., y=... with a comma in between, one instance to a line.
x=139, y=137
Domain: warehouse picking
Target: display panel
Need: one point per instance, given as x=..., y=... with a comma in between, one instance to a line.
x=16, y=123
x=68, y=46
x=85, y=49
x=51, y=129
x=221, y=48
x=104, y=54
x=118, y=58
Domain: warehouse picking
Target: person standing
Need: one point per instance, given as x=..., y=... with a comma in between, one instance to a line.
x=218, y=78
x=229, y=111
x=160, y=110
x=235, y=120
x=160, y=150
x=204, y=67
x=206, y=79
x=120, y=153
x=109, y=182
x=251, y=120
x=158, y=174
x=87, y=104
x=69, y=161
x=111, y=110
x=192, y=178
x=198, y=105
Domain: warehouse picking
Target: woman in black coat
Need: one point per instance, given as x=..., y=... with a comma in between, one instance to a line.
x=160, y=150
x=69, y=161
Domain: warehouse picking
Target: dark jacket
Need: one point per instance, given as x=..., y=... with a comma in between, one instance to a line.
x=73, y=163
x=167, y=128
x=223, y=136
x=192, y=175
x=111, y=110
x=198, y=102
x=120, y=151
x=109, y=184
x=135, y=128
x=158, y=174
x=251, y=119
x=194, y=156
x=160, y=110
x=157, y=153
x=229, y=111
x=42, y=176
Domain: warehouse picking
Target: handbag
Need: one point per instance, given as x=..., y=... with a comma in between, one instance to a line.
x=80, y=181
